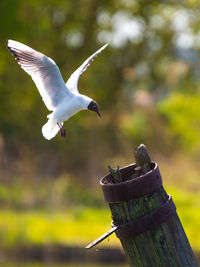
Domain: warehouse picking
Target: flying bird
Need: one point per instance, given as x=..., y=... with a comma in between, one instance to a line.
x=63, y=99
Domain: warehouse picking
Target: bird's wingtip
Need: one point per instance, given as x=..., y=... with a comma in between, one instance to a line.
x=8, y=43
x=105, y=45
x=12, y=43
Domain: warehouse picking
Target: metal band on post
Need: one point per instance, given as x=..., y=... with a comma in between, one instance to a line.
x=147, y=222
x=131, y=189
x=141, y=225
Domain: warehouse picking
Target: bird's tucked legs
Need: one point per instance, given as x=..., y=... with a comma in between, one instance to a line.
x=62, y=130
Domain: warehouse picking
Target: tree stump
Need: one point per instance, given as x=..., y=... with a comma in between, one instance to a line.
x=163, y=244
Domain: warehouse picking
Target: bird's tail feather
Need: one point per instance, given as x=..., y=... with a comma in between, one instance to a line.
x=50, y=129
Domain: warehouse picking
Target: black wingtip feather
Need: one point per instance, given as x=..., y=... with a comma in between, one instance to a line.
x=12, y=51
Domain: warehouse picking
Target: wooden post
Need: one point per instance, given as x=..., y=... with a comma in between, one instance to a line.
x=165, y=246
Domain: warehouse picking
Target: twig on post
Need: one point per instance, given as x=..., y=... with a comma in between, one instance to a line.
x=115, y=174
x=142, y=158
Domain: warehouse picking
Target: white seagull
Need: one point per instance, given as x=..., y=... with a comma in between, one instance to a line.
x=62, y=99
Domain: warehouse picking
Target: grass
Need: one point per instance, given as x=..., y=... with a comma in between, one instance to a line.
x=36, y=264
x=55, y=216
x=188, y=209
x=77, y=226
x=81, y=225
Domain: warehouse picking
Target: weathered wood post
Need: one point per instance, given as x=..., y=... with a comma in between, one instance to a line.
x=144, y=216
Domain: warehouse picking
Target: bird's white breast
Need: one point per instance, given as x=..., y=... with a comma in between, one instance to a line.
x=67, y=109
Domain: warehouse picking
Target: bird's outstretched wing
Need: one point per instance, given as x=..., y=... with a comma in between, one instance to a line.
x=73, y=79
x=44, y=72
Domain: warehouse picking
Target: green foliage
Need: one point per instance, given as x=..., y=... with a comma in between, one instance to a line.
x=188, y=209
x=38, y=264
x=183, y=118
x=60, y=193
x=79, y=225
x=136, y=126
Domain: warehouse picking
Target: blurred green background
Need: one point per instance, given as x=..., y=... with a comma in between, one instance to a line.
x=147, y=85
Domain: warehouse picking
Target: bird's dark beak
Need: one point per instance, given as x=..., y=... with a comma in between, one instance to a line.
x=98, y=113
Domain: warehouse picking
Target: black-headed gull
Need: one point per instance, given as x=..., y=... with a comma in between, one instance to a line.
x=63, y=99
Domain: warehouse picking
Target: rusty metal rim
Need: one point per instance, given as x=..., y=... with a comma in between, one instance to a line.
x=133, y=188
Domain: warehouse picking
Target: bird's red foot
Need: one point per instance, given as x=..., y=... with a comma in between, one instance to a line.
x=62, y=130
